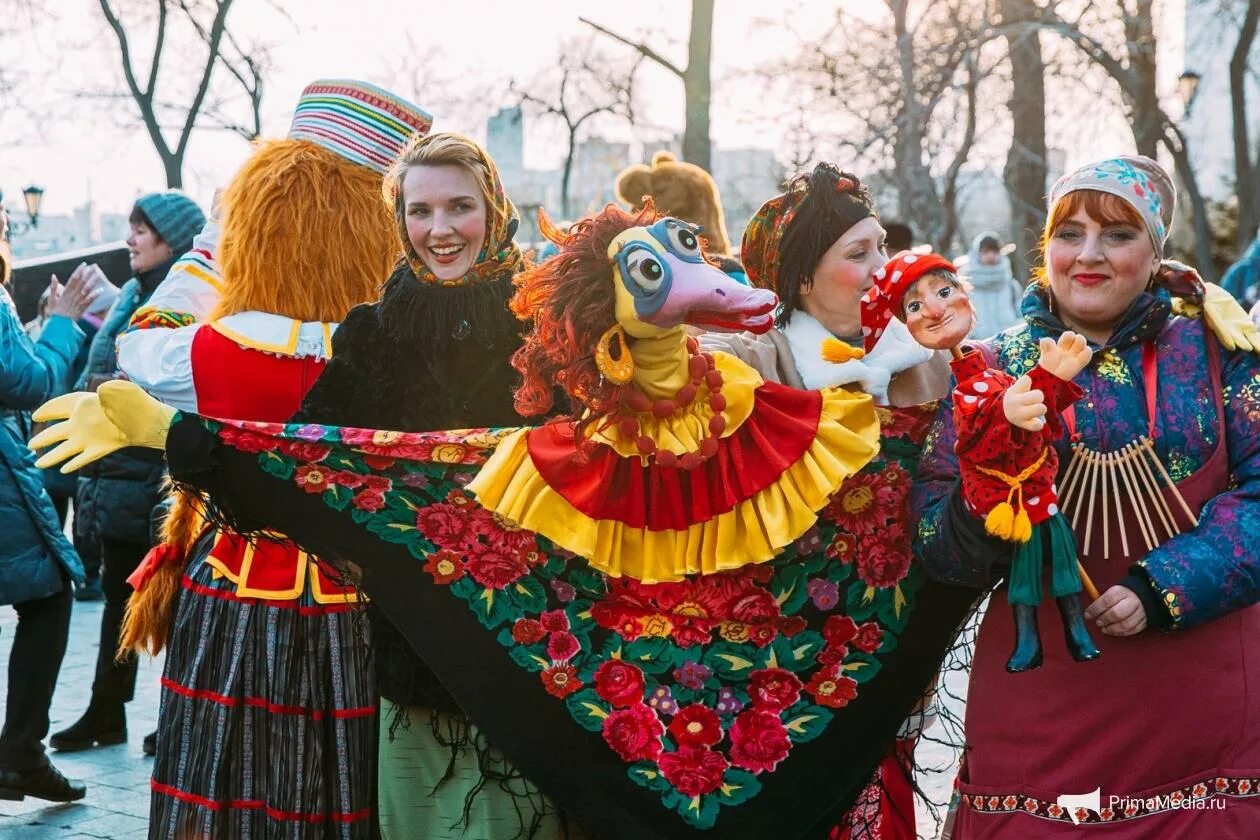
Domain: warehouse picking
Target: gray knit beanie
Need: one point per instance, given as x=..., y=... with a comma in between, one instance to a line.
x=174, y=216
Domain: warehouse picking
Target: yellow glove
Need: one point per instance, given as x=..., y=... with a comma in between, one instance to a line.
x=118, y=415
x=1228, y=320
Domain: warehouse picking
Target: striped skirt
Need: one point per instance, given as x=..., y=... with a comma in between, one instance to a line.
x=268, y=723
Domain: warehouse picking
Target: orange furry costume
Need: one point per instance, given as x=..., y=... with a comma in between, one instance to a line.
x=258, y=631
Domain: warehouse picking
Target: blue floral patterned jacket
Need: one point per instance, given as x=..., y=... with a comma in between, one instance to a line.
x=1204, y=573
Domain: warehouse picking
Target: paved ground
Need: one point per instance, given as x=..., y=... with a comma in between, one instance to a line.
x=117, y=778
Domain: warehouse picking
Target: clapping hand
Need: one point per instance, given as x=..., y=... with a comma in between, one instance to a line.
x=76, y=297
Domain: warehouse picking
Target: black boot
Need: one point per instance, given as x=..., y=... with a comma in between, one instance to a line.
x=150, y=744
x=43, y=782
x=1079, y=643
x=102, y=724
x=1027, y=655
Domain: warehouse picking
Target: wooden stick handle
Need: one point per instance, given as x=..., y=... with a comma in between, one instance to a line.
x=1152, y=488
x=1150, y=450
x=1087, y=585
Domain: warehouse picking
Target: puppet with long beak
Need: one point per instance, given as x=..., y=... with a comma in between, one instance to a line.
x=681, y=462
x=1006, y=430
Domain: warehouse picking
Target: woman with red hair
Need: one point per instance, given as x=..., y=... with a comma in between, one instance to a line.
x=1160, y=478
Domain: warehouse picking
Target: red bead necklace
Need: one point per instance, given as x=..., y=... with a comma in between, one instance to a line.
x=702, y=368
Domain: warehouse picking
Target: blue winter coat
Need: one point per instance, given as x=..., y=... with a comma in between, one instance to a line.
x=35, y=556
x=116, y=495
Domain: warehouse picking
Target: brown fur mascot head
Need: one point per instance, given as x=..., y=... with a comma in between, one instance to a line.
x=679, y=189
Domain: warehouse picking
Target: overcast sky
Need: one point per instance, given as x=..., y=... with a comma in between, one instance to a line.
x=73, y=145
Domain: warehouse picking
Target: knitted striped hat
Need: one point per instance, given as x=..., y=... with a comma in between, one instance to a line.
x=173, y=216
x=360, y=122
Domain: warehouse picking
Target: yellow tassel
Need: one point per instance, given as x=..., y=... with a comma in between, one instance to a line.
x=837, y=352
x=1000, y=521
x=1022, y=532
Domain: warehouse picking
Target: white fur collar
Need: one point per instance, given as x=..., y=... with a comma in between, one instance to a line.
x=896, y=351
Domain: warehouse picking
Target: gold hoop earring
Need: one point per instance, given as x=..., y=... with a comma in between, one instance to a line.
x=612, y=356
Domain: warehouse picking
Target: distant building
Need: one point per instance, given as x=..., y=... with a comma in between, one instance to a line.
x=83, y=228
x=596, y=163
x=745, y=179
x=505, y=141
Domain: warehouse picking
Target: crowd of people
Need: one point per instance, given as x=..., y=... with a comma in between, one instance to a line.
x=299, y=699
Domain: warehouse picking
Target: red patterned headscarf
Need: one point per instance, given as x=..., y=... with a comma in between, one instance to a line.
x=791, y=231
x=882, y=301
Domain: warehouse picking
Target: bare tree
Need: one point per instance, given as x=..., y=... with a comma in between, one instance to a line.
x=927, y=61
x=1245, y=168
x=1130, y=60
x=696, y=78
x=208, y=20
x=1026, y=166
x=584, y=87
x=426, y=74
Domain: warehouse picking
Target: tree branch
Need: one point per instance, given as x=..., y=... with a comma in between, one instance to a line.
x=216, y=35
x=644, y=49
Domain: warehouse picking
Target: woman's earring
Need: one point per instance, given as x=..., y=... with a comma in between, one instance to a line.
x=612, y=356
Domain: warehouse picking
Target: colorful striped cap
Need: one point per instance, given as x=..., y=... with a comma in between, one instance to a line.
x=360, y=122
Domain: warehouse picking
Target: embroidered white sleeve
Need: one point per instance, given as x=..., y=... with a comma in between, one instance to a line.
x=193, y=284
x=160, y=362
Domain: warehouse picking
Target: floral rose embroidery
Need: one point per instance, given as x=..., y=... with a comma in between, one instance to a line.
x=773, y=689
x=527, y=631
x=869, y=637
x=495, y=571
x=694, y=771
x=697, y=725
x=619, y=683
x=561, y=680
x=554, y=621
x=444, y=524
x=830, y=689
x=759, y=741
x=445, y=566
x=635, y=733
x=313, y=479
x=562, y=647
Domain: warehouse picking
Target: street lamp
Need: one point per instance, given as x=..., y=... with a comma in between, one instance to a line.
x=1188, y=88
x=33, y=196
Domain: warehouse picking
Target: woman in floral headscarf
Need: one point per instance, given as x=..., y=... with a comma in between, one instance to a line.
x=434, y=353
x=1178, y=567
x=818, y=246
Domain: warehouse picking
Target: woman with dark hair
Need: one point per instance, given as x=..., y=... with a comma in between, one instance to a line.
x=818, y=246
x=115, y=498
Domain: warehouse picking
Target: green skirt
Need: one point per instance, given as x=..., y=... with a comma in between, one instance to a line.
x=437, y=791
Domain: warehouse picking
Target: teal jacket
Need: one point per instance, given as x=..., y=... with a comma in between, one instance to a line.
x=35, y=556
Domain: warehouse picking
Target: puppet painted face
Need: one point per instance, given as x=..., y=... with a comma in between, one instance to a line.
x=663, y=281
x=937, y=311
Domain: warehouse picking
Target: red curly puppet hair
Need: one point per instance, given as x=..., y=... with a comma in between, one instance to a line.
x=568, y=300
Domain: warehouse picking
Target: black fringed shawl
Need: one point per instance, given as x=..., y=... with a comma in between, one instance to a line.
x=425, y=357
